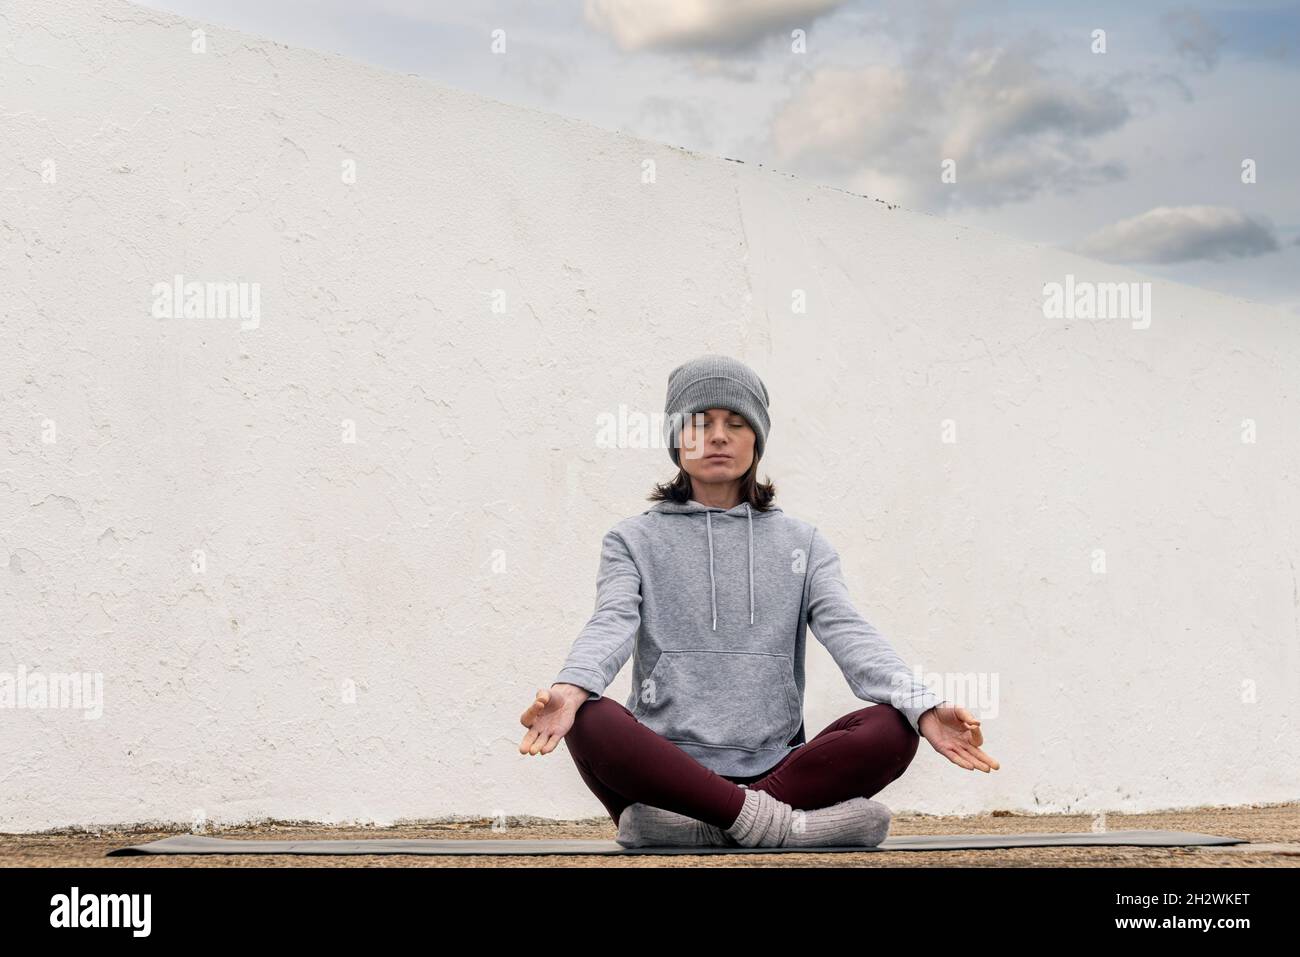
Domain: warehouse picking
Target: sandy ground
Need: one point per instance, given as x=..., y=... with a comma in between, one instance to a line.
x=1274, y=829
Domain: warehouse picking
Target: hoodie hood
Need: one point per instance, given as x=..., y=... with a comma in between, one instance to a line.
x=743, y=510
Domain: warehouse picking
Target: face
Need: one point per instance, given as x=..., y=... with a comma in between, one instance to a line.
x=717, y=445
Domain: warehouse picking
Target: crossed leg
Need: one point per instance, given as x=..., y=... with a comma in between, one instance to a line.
x=856, y=755
x=622, y=761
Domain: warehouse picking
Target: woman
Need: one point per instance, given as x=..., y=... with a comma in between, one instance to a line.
x=711, y=591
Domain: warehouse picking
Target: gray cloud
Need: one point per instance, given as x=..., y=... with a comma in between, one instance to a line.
x=541, y=70
x=717, y=25
x=1171, y=234
x=1194, y=39
x=731, y=68
x=663, y=118
x=1011, y=126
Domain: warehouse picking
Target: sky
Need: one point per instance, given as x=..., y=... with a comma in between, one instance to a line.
x=1164, y=136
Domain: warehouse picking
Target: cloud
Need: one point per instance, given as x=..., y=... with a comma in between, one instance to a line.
x=665, y=118
x=1194, y=38
x=717, y=25
x=1171, y=234
x=538, y=69
x=1011, y=126
x=730, y=68
x=842, y=118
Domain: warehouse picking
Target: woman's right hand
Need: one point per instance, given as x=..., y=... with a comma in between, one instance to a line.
x=549, y=718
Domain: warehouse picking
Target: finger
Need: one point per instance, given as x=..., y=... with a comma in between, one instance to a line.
x=972, y=755
x=534, y=709
x=986, y=759
x=953, y=755
x=526, y=744
x=539, y=744
x=967, y=717
x=552, y=744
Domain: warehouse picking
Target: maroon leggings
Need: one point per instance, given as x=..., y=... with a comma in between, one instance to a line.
x=624, y=762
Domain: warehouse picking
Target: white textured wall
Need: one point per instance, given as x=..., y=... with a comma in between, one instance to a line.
x=225, y=691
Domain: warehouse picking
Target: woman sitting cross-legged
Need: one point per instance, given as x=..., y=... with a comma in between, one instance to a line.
x=711, y=591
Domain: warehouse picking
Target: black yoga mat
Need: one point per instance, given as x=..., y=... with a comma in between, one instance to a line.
x=197, y=844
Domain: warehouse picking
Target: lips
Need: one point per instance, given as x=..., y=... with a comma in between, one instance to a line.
x=717, y=458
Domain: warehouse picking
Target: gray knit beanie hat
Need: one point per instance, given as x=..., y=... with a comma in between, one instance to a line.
x=714, y=381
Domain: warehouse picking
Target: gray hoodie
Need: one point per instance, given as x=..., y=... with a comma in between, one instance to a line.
x=713, y=606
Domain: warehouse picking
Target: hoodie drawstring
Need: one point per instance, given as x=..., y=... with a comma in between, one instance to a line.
x=750, y=515
x=713, y=587
x=708, y=522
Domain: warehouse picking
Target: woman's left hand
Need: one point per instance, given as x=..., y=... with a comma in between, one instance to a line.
x=955, y=733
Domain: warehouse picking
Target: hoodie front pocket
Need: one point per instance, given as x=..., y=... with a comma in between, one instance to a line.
x=725, y=699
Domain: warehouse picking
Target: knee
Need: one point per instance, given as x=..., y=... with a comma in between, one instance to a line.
x=902, y=739
x=590, y=717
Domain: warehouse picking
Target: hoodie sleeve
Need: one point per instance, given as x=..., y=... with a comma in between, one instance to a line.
x=874, y=670
x=605, y=643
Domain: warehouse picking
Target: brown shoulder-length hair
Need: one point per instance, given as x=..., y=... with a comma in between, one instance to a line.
x=758, y=494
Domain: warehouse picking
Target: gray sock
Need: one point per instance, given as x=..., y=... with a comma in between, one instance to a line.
x=763, y=821
x=643, y=825
x=859, y=822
